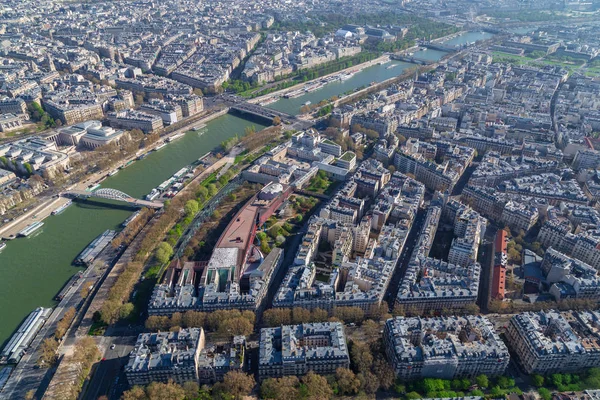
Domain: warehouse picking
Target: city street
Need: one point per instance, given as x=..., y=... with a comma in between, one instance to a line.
x=400, y=270
x=108, y=377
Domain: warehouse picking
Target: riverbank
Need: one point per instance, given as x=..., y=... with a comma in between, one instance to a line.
x=46, y=204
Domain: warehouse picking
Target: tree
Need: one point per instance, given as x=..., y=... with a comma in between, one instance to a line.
x=237, y=384
x=280, y=388
x=413, y=395
x=545, y=393
x=385, y=373
x=276, y=121
x=165, y=391
x=538, y=380
x=315, y=387
x=64, y=323
x=482, y=381
x=126, y=311
x=157, y=323
x=318, y=315
x=202, y=194
x=212, y=189
x=300, y=315
x=368, y=382
x=191, y=390
x=28, y=168
x=277, y=316
x=371, y=330
x=164, y=251
x=84, y=292
x=347, y=382
x=191, y=207
x=361, y=357
x=135, y=393
x=48, y=350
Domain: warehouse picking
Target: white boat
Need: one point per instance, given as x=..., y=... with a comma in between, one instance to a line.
x=160, y=146
x=153, y=194
x=270, y=100
x=31, y=228
x=92, y=187
x=113, y=172
x=199, y=127
x=175, y=137
x=391, y=66
x=307, y=103
x=62, y=208
x=2, y=246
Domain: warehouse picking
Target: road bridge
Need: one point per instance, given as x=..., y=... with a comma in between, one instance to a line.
x=412, y=60
x=111, y=194
x=439, y=47
x=260, y=111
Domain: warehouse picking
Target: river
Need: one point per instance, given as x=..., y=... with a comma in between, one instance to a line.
x=33, y=269
x=375, y=73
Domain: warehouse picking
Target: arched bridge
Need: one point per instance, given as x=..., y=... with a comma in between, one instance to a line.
x=112, y=194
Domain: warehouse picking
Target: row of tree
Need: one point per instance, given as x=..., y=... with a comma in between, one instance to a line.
x=85, y=355
x=235, y=386
x=223, y=322
x=126, y=236
x=298, y=315
x=49, y=346
x=116, y=305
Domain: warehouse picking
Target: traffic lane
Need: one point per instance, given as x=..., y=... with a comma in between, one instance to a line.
x=108, y=377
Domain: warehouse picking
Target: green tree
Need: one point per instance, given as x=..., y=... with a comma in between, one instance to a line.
x=164, y=251
x=28, y=168
x=212, y=189
x=482, y=381
x=538, y=380
x=126, y=311
x=191, y=207
x=545, y=393
x=202, y=193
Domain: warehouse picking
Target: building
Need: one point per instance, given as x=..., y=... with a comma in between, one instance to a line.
x=13, y=106
x=10, y=122
x=446, y=347
x=500, y=260
x=569, y=277
x=294, y=350
x=435, y=285
x=548, y=342
x=36, y=153
x=237, y=276
x=88, y=135
x=166, y=356
x=6, y=177
x=129, y=120
x=73, y=112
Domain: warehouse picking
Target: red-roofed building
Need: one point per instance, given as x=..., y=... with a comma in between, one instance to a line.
x=500, y=258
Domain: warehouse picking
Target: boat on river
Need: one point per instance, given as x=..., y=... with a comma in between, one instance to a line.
x=62, y=208
x=31, y=228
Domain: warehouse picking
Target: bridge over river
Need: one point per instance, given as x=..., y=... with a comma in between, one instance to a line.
x=111, y=194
